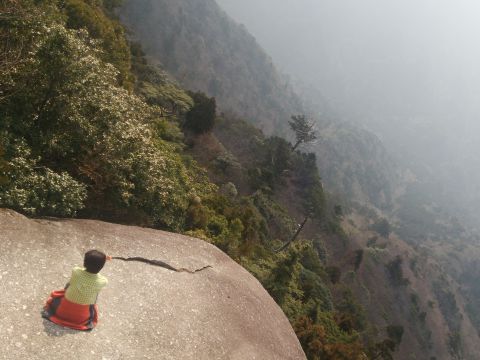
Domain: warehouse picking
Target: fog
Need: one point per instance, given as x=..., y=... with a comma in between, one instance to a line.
x=407, y=70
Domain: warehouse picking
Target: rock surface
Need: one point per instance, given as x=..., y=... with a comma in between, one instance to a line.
x=146, y=312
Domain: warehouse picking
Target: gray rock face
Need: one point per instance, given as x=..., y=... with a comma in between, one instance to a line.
x=146, y=312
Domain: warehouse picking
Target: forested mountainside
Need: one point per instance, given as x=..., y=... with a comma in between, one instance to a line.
x=205, y=50
x=355, y=165
x=90, y=127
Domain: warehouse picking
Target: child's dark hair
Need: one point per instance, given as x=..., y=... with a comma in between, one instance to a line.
x=94, y=261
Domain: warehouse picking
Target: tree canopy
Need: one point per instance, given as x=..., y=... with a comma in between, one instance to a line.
x=304, y=130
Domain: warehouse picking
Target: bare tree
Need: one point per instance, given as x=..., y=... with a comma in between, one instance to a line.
x=294, y=237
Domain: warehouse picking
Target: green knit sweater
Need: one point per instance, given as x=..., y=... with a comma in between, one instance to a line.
x=84, y=286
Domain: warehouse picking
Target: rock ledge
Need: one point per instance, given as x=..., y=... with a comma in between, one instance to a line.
x=146, y=312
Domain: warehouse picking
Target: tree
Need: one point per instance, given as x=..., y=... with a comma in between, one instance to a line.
x=75, y=128
x=294, y=237
x=395, y=272
x=382, y=350
x=3, y=167
x=201, y=118
x=303, y=128
x=395, y=333
x=382, y=227
x=37, y=190
x=89, y=15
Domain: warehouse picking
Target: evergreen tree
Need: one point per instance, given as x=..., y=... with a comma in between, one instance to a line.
x=201, y=117
x=303, y=128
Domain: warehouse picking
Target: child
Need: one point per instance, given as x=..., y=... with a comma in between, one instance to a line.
x=75, y=306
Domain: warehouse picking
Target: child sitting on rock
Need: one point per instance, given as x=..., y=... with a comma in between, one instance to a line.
x=75, y=306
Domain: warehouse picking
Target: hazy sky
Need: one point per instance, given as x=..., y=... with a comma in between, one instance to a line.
x=408, y=69
x=374, y=55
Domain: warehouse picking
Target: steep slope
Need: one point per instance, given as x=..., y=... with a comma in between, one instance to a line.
x=411, y=286
x=205, y=50
x=353, y=163
x=404, y=288
x=146, y=311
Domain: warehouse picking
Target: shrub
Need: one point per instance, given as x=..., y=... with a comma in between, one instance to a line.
x=201, y=117
x=116, y=51
x=382, y=227
x=395, y=332
x=358, y=259
x=334, y=273
x=69, y=108
x=35, y=190
x=395, y=272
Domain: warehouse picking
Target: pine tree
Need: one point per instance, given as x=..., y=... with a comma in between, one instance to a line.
x=304, y=130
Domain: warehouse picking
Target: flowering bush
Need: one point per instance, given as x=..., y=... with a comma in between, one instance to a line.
x=37, y=190
x=65, y=102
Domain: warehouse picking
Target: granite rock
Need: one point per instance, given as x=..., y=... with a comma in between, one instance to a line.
x=146, y=312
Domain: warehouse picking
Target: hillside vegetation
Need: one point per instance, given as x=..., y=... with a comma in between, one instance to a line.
x=369, y=183
x=205, y=50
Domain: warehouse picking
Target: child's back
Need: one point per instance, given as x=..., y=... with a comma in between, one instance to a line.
x=84, y=286
x=75, y=306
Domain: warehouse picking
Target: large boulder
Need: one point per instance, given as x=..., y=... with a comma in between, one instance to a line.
x=146, y=312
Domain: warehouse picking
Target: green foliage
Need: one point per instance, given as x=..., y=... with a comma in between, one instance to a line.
x=318, y=346
x=156, y=88
x=372, y=242
x=395, y=332
x=395, y=272
x=201, y=46
x=316, y=294
x=37, y=190
x=201, y=117
x=74, y=118
x=352, y=313
x=233, y=224
x=274, y=160
x=382, y=350
x=382, y=227
x=311, y=259
x=358, y=259
x=111, y=4
x=307, y=180
x=21, y=26
x=89, y=15
x=3, y=167
x=229, y=190
x=321, y=250
x=447, y=304
x=455, y=345
x=225, y=161
x=303, y=128
x=283, y=283
x=334, y=273
x=338, y=210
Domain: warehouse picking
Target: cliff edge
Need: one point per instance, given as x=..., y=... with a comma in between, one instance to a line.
x=146, y=312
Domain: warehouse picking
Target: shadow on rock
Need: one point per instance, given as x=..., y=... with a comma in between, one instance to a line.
x=52, y=329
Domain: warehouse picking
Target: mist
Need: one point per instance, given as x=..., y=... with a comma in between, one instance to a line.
x=409, y=71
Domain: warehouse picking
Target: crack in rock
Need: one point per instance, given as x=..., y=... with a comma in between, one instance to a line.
x=160, y=264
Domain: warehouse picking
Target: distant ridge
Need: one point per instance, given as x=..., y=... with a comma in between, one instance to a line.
x=199, y=44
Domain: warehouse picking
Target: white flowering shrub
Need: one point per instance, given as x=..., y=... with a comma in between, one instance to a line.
x=36, y=190
x=67, y=105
